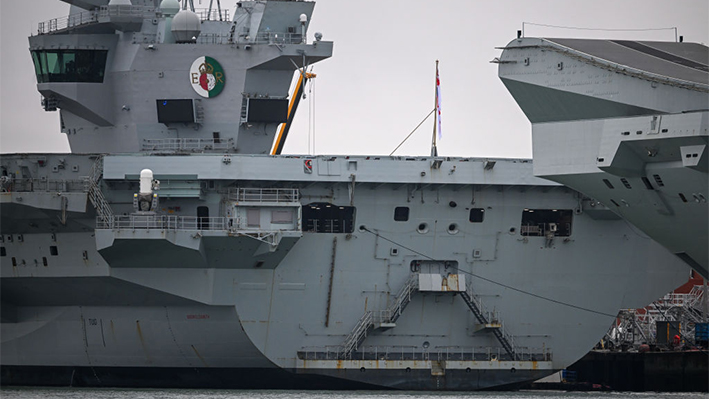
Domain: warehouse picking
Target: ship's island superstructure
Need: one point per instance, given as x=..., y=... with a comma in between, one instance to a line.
x=170, y=249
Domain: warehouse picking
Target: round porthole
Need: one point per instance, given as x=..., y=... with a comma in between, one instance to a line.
x=426, y=344
x=452, y=204
x=512, y=230
x=422, y=228
x=452, y=228
x=362, y=228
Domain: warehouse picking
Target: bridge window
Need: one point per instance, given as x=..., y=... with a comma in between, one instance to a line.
x=69, y=65
x=540, y=222
x=320, y=217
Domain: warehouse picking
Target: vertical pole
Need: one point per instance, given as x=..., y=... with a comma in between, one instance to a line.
x=434, y=150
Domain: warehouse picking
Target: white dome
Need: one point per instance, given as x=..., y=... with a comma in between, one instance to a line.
x=186, y=26
x=169, y=7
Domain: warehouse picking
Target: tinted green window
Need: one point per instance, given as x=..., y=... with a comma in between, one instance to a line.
x=70, y=65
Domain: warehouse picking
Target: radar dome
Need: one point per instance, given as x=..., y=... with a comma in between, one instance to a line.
x=186, y=26
x=169, y=7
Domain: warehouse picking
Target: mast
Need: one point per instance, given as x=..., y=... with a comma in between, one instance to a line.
x=436, y=120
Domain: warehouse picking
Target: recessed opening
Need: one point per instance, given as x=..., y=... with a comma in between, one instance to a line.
x=626, y=183
x=320, y=217
x=2, y=251
x=44, y=260
x=422, y=228
x=544, y=222
x=647, y=184
x=658, y=180
x=53, y=250
x=608, y=183
x=452, y=204
x=614, y=203
x=14, y=261
x=401, y=213
x=259, y=263
x=682, y=197
x=625, y=133
x=452, y=228
x=476, y=215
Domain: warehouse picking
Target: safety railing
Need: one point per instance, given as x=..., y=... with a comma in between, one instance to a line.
x=49, y=185
x=92, y=17
x=165, y=222
x=206, y=14
x=187, y=145
x=452, y=353
x=260, y=195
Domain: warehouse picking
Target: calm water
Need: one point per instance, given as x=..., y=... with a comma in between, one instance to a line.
x=35, y=393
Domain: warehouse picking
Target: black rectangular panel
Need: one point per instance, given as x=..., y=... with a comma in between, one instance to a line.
x=268, y=110
x=175, y=111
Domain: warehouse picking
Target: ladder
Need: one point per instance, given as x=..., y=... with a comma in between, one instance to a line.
x=103, y=209
x=476, y=307
x=379, y=319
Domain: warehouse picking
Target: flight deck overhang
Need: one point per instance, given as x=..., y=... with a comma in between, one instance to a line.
x=332, y=169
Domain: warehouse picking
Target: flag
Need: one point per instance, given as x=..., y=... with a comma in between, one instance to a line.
x=438, y=102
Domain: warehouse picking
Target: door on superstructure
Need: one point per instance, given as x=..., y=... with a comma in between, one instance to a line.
x=203, y=217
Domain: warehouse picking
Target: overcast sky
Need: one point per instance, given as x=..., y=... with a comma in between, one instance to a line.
x=379, y=84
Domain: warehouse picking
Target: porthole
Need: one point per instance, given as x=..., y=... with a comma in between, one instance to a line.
x=362, y=228
x=452, y=204
x=422, y=228
x=426, y=344
x=452, y=228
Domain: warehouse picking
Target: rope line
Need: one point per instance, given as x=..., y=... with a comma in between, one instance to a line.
x=496, y=282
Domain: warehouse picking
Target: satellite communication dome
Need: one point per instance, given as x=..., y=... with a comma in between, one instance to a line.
x=186, y=26
x=169, y=7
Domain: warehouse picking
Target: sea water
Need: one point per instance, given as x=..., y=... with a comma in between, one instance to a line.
x=90, y=393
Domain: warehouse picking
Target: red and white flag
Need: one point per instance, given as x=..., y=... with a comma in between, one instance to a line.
x=438, y=102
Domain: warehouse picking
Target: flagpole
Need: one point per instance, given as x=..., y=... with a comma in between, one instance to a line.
x=434, y=150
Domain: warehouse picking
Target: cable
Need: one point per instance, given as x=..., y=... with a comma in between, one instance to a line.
x=598, y=29
x=412, y=132
x=495, y=282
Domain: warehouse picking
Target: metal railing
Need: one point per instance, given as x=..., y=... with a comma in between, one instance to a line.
x=205, y=14
x=260, y=195
x=47, y=185
x=92, y=17
x=452, y=353
x=273, y=38
x=165, y=222
x=187, y=144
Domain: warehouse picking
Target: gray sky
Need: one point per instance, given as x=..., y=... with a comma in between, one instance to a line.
x=379, y=84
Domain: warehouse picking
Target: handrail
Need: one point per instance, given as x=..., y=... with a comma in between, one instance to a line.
x=187, y=144
x=411, y=352
x=260, y=195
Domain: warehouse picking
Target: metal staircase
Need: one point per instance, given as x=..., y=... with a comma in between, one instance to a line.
x=475, y=305
x=103, y=209
x=379, y=318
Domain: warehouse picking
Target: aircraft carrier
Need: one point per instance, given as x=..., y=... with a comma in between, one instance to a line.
x=175, y=247
x=632, y=118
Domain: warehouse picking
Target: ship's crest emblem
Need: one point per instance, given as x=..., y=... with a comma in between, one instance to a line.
x=207, y=77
